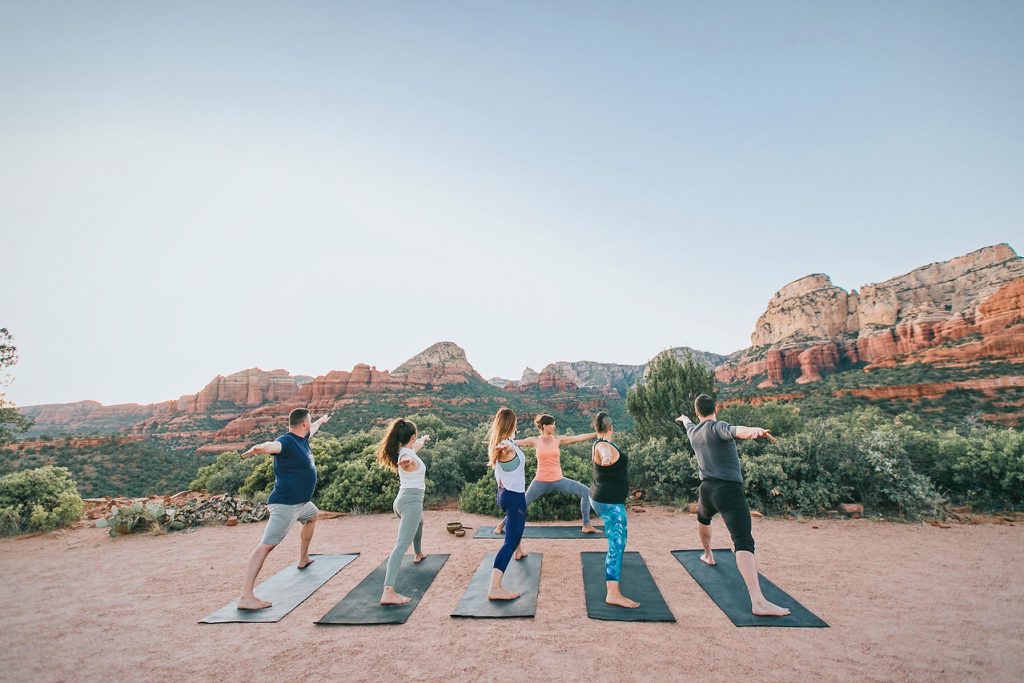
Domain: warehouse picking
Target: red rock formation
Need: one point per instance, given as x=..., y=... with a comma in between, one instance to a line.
x=248, y=388
x=928, y=315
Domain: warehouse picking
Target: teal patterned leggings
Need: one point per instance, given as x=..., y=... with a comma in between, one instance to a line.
x=614, y=516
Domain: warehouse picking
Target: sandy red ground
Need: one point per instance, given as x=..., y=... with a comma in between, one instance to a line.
x=904, y=601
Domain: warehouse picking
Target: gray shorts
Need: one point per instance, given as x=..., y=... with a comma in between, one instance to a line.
x=281, y=518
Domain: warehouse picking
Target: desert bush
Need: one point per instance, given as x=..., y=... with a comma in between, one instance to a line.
x=40, y=499
x=227, y=474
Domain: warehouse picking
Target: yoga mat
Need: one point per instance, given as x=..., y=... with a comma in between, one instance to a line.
x=636, y=583
x=362, y=604
x=541, y=531
x=286, y=589
x=521, y=575
x=725, y=587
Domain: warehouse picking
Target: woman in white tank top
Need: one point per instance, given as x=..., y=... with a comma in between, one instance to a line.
x=397, y=452
x=509, y=465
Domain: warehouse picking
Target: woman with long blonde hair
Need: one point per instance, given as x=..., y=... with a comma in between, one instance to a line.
x=549, y=475
x=397, y=451
x=509, y=465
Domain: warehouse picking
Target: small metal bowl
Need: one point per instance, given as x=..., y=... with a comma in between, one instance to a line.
x=459, y=532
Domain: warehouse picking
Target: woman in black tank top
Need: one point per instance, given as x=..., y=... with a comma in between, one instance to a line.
x=608, y=496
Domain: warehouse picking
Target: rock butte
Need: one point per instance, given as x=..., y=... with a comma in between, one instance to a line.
x=954, y=312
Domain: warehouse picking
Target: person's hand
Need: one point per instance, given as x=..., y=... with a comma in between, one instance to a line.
x=251, y=451
x=324, y=418
x=682, y=419
x=764, y=433
x=425, y=438
x=502, y=450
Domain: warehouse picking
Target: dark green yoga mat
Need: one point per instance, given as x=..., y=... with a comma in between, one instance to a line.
x=362, y=604
x=542, y=531
x=725, y=587
x=521, y=575
x=636, y=583
x=286, y=589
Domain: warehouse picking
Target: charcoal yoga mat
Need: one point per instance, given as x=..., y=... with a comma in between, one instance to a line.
x=285, y=589
x=725, y=587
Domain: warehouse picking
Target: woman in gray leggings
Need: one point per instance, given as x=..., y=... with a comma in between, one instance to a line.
x=549, y=469
x=397, y=452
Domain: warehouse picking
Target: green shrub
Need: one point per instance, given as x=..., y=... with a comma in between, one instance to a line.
x=666, y=472
x=227, y=474
x=860, y=457
x=41, y=499
x=480, y=497
x=360, y=486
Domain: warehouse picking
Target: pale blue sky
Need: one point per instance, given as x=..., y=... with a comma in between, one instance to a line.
x=190, y=190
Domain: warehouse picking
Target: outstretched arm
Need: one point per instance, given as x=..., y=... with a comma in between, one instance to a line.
x=316, y=425
x=419, y=443
x=604, y=454
x=563, y=440
x=270, y=447
x=683, y=420
x=528, y=441
x=753, y=433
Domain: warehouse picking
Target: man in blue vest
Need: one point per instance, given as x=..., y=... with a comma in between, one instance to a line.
x=294, y=482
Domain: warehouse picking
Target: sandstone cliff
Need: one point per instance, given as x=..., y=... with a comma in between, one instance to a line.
x=957, y=311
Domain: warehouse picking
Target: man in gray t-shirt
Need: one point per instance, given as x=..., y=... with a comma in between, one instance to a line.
x=721, y=490
x=714, y=442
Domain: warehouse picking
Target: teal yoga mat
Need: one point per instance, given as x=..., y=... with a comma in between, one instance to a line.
x=543, y=531
x=286, y=589
x=636, y=583
x=521, y=575
x=362, y=604
x=725, y=587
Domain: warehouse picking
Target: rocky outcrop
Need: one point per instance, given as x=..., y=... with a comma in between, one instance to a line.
x=569, y=376
x=612, y=379
x=443, y=363
x=956, y=312
x=85, y=416
x=811, y=307
x=248, y=388
x=253, y=400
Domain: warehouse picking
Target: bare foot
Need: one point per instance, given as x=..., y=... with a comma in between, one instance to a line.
x=390, y=597
x=708, y=559
x=501, y=594
x=519, y=553
x=589, y=529
x=305, y=562
x=253, y=603
x=622, y=601
x=500, y=529
x=768, y=609
x=419, y=558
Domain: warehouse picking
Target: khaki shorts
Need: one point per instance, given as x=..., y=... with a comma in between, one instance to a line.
x=281, y=518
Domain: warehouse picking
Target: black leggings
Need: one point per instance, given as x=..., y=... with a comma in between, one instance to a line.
x=727, y=497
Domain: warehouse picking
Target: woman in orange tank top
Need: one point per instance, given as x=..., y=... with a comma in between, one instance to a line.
x=549, y=469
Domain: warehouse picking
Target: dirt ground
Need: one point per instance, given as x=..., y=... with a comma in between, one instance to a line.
x=904, y=602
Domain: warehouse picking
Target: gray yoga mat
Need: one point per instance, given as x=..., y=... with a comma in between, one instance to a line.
x=521, y=575
x=542, y=531
x=362, y=604
x=636, y=583
x=725, y=587
x=286, y=589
